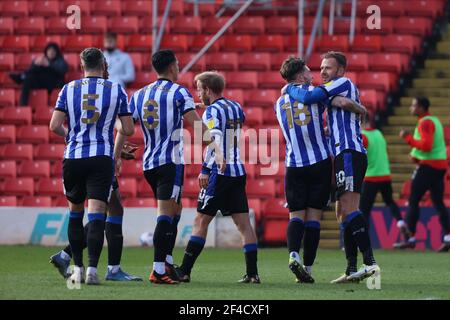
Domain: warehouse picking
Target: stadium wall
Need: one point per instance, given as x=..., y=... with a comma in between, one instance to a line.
x=48, y=227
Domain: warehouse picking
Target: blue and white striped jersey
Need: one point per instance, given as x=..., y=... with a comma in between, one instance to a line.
x=303, y=130
x=224, y=118
x=345, y=126
x=159, y=107
x=91, y=105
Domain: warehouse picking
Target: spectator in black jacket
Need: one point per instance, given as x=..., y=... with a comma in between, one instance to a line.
x=45, y=72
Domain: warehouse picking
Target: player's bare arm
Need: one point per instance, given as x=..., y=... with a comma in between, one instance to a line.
x=349, y=105
x=57, y=123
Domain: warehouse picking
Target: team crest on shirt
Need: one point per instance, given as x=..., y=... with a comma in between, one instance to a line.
x=210, y=123
x=328, y=83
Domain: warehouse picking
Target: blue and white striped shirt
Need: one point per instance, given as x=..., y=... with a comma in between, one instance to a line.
x=303, y=130
x=345, y=126
x=160, y=107
x=91, y=105
x=224, y=118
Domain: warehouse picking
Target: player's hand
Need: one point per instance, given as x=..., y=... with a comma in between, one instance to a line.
x=128, y=151
x=220, y=162
x=283, y=90
x=203, y=179
x=404, y=133
x=118, y=170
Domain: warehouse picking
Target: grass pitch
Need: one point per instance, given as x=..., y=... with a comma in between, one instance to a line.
x=26, y=274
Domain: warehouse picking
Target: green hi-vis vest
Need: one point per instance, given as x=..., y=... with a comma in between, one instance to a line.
x=438, y=151
x=377, y=157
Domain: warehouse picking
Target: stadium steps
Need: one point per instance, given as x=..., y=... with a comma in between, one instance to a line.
x=329, y=243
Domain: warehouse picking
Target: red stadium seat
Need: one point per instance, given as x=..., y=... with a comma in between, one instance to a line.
x=261, y=98
x=176, y=9
x=139, y=42
x=249, y=25
x=76, y=43
x=191, y=187
x=241, y=80
x=18, y=187
x=253, y=116
x=29, y=25
x=199, y=41
x=401, y=43
x=73, y=60
x=211, y=25
x=56, y=169
x=85, y=6
x=6, y=25
x=270, y=116
x=281, y=25
x=58, y=25
x=7, y=169
x=336, y=43
x=263, y=188
x=132, y=169
x=128, y=187
x=38, y=43
x=387, y=27
x=369, y=98
x=358, y=61
x=49, y=152
x=269, y=43
x=7, y=134
x=185, y=57
x=49, y=187
x=106, y=8
x=139, y=203
x=391, y=62
x=363, y=43
x=60, y=201
x=16, y=152
x=206, y=9
x=258, y=61
x=276, y=59
x=33, y=134
x=146, y=25
x=14, y=43
x=186, y=79
x=239, y=43
x=185, y=25
x=255, y=205
x=142, y=79
x=275, y=208
x=144, y=190
x=235, y=95
x=274, y=230
x=44, y=8
x=136, y=57
x=342, y=26
x=94, y=25
x=428, y=8
x=177, y=43
x=124, y=25
x=8, y=201
x=192, y=170
x=137, y=8
x=15, y=115
x=37, y=201
x=393, y=8
x=38, y=98
x=14, y=8
x=413, y=26
x=34, y=169
x=222, y=61
x=42, y=115
x=270, y=80
x=374, y=80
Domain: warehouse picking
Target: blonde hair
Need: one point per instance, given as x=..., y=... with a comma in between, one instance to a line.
x=212, y=80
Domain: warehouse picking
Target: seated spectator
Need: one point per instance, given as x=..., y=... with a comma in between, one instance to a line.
x=120, y=66
x=45, y=72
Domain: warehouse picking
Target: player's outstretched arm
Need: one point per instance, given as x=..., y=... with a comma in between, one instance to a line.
x=318, y=94
x=349, y=105
x=57, y=123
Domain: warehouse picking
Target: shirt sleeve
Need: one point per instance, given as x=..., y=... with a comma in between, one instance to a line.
x=61, y=102
x=318, y=94
x=133, y=109
x=213, y=120
x=124, y=109
x=425, y=143
x=185, y=101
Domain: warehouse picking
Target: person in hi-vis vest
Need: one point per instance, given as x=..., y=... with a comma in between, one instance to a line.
x=378, y=177
x=429, y=152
